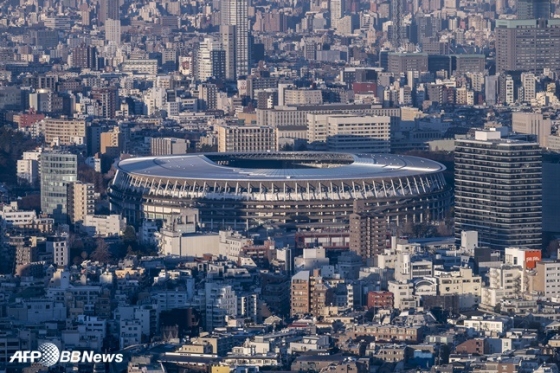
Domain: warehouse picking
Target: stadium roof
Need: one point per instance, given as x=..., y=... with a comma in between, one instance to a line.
x=350, y=167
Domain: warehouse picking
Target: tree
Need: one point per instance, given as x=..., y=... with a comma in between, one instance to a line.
x=101, y=253
x=129, y=236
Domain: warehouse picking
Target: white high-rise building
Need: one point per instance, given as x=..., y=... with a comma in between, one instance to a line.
x=234, y=13
x=510, y=89
x=205, y=57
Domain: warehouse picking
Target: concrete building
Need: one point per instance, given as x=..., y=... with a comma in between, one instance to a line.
x=296, y=97
x=81, y=201
x=133, y=66
x=527, y=44
x=112, y=142
x=368, y=233
x=246, y=139
x=309, y=294
x=113, y=31
x=57, y=171
x=28, y=166
x=547, y=277
x=168, y=146
x=533, y=9
x=103, y=225
x=505, y=213
x=362, y=134
x=64, y=132
x=403, y=62
x=534, y=124
x=58, y=247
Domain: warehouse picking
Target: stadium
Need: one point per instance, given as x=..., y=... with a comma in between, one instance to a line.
x=304, y=189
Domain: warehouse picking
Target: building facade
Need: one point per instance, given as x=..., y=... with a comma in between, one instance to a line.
x=246, y=139
x=498, y=190
x=57, y=171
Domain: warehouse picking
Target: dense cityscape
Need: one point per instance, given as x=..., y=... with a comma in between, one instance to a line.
x=236, y=186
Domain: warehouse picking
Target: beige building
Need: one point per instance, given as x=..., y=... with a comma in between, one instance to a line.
x=64, y=131
x=246, y=138
x=168, y=146
x=461, y=282
x=294, y=97
x=112, y=142
x=81, y=201
x=532, y=123
x=140, y=67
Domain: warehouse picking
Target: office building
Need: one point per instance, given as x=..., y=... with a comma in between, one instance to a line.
x=81, y=201
x=246, y=139
x=533, y=124
x=168, y=146
x=533, y=9
x=336, y=8
x=113, y=31
x=234, y=16
x=57, y=171
x=357, y=133
x=527, y=45
x=403, y=62
x=498, y=190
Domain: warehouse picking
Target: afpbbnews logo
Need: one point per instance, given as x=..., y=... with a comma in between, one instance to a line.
x=48, y=355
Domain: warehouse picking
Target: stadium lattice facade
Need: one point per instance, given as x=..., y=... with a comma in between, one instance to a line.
x=307, y=189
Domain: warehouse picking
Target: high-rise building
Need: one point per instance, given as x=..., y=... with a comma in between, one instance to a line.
x=309, y=293
x=527, y=45
x=498, y=190
x=209, y=60
x=368, y=232
x=533, y=9
x=235, y=13
x=108, y=9
x=84, y=56
x=107, y=98
x=113, y=31
x=336, y=8
x=529, y=84
x=57, y=171
x=81, y=201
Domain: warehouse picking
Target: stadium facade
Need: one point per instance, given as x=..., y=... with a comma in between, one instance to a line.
x=306, y=189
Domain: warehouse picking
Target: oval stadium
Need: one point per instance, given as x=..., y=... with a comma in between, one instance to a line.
x=304, y=189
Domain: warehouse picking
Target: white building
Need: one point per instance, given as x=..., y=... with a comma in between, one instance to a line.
x=58, y=247
x=28, y=166
x=130, y=333
x=346, y=132
x=221, y=301
x=104, y=225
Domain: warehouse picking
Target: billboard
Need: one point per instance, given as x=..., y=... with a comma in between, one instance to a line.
x=531, y=258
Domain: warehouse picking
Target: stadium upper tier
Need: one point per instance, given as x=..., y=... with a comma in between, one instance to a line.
x=305, y=166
